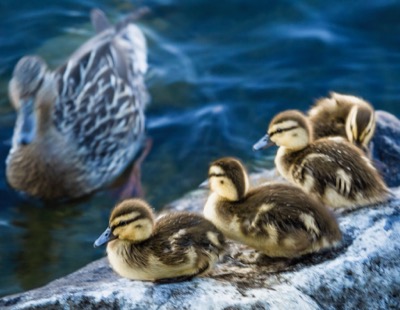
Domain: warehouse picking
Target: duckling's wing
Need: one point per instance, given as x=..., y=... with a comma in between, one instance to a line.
x=184, y=235
x=320, y=170
x=337, y=164
x=284, y=218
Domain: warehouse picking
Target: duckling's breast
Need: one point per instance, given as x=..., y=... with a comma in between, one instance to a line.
x=120, y=261
x=286, y=162
x=218, y=212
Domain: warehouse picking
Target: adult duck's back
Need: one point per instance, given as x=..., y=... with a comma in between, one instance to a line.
x=78, y=127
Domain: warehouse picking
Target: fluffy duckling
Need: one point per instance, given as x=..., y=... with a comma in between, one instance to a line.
x=280, y=220
x=330, y=169
x=80, y=126
x=345, y=116
x=178, y=247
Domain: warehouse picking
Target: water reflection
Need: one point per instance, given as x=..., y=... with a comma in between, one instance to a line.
x=53, y=236
x=40, y=247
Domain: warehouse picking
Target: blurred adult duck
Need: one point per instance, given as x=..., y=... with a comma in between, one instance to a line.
x=80, y=126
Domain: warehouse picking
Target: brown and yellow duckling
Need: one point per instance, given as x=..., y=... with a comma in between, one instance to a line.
x=177, y=247
x=331, y=169
x=346, y=116
x=279, y=220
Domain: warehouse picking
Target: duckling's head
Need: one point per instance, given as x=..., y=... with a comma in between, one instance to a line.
x=28, y=86
x=228, y=178
x=360, y=125
x=131, y=220
x=289, y=129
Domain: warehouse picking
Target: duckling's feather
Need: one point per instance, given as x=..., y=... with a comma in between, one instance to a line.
x=182, y=244
x=183, y=231
x=173, y=239
x=277, y=205
x=328, y=118
x=333, y=164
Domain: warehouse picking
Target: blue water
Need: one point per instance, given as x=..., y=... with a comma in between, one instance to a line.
x=219, y=71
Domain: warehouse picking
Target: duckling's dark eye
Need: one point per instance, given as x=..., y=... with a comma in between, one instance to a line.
x=123, y=223
x=222, y=181
x=279, y=130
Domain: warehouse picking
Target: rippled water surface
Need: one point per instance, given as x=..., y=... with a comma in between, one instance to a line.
x=219, y=71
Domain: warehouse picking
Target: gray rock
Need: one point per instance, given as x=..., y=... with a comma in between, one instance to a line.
x=386, y=147
x=363, y=273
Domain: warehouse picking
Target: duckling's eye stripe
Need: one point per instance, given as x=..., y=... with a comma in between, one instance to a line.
x=280, y=130
x=126, y=222
x=217, y=175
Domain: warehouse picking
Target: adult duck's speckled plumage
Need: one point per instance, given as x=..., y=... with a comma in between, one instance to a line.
x=278, y=219
x=176, y=247
x=79, y=126
x=346, y=116
x=331, y=169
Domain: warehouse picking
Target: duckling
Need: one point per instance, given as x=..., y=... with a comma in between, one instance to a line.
x=346, y=116
x=80, y=126
x=177, y=247
x=331, y=169
x=277, y=219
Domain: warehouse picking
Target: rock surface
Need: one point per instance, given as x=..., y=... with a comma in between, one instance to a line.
x=362, y=273
x=386, y=147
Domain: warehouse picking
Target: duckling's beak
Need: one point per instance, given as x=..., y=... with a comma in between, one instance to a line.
x=105, y=237
x=205, y=185
x=26, y=121
x=263, y=143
